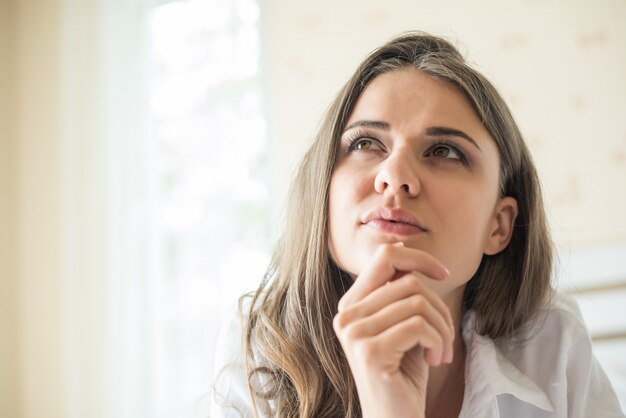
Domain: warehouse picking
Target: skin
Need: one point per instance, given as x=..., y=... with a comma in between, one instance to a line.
x=399, y=325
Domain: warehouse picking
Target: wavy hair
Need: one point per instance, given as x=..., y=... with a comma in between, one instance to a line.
x=293, y=358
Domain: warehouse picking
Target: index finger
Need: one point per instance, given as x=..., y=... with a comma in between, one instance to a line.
x=388, y=260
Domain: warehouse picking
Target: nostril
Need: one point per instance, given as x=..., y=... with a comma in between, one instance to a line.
x=392, y=182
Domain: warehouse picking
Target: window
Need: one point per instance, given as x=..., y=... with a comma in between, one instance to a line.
x=210, y=186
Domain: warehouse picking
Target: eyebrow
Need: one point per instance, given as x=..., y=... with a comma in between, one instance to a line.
x=435, y=131
x=369, y=124
x=443, y=131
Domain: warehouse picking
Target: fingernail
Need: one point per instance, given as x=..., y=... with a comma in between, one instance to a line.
x=444, y=272
x=398, y=244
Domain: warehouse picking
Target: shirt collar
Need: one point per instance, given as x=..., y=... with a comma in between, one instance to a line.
x=490, y=373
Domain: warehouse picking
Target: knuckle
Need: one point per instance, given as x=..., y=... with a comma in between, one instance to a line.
x=343, y=302
x=413, y=283
x=353, y=332
x=418, y=302
x=350, y=314
x=338, y=323
x=340, y=306
x=418, y=323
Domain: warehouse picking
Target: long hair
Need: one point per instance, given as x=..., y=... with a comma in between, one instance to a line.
x=294, y=359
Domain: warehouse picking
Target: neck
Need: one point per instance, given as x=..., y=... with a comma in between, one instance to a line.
x=446, y=383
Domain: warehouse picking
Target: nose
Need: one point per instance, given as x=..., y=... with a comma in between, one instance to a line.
x=398, y=174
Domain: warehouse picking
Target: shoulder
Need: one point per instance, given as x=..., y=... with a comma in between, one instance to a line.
x=545, y=349
x=559, y=327
x=549, y=370
x=556, y=354
x=561, y=323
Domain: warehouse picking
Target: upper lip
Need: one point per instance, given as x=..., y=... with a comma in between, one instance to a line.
x=394, y=215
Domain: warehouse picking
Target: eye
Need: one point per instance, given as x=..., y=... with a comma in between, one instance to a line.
x=364, y=143
x=446, y=151
x=361, y=144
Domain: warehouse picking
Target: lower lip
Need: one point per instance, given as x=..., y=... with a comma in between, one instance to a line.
x=398, y=228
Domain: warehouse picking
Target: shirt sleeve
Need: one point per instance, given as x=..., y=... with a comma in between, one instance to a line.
x=230, y=397
x=590, y=393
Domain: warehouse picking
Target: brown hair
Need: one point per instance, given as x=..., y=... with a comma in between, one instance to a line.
x=289, y=339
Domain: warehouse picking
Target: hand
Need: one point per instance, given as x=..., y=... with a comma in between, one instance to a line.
x=392, y=329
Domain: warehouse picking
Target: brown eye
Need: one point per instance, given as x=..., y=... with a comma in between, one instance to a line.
x=363, y=144
x=441, y=151
x=447, y=152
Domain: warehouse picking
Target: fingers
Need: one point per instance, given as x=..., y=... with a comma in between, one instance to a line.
x=388, y=260
x=397, y=303
x=408, y=285
x=389, y=311
x=412, y=332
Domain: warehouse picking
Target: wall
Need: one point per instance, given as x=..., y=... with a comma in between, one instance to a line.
x=56, y=308
x=559, y=64
x=30, y=186
x=8, y=316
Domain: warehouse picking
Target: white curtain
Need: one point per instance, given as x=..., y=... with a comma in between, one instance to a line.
x=106, y=223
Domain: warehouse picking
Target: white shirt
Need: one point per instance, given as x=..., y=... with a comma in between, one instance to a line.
x=552, y=373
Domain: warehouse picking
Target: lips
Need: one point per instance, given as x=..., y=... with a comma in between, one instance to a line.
x=394, y=221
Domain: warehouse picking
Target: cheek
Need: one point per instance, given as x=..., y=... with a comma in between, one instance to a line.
x=464, y=217
x=347, y=193
x=470, y=219
x=464, y=205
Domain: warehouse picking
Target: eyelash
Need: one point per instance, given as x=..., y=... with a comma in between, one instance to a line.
x=354, y=138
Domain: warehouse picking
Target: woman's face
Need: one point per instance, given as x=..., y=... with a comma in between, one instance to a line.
x=416, y=165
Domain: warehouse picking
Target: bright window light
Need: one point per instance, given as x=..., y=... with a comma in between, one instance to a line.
x=211, y=186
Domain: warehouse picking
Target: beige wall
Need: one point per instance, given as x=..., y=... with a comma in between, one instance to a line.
x=38, y=208
x=8, y=315
x=52, y=169
x=30, y=186
x=560, y=65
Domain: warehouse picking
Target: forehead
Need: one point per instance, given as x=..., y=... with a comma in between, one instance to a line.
x=410, y=97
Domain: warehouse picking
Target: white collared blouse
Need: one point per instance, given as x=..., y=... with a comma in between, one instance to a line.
x=551, y=373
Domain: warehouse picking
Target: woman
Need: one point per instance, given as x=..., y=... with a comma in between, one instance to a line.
x=413, y=276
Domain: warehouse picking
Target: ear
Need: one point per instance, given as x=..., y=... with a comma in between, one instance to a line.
x=501, y=225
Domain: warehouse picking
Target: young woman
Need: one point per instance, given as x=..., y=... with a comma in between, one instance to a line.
x=413, y=275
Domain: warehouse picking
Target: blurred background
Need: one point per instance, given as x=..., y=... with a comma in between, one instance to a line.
x=146, y=147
